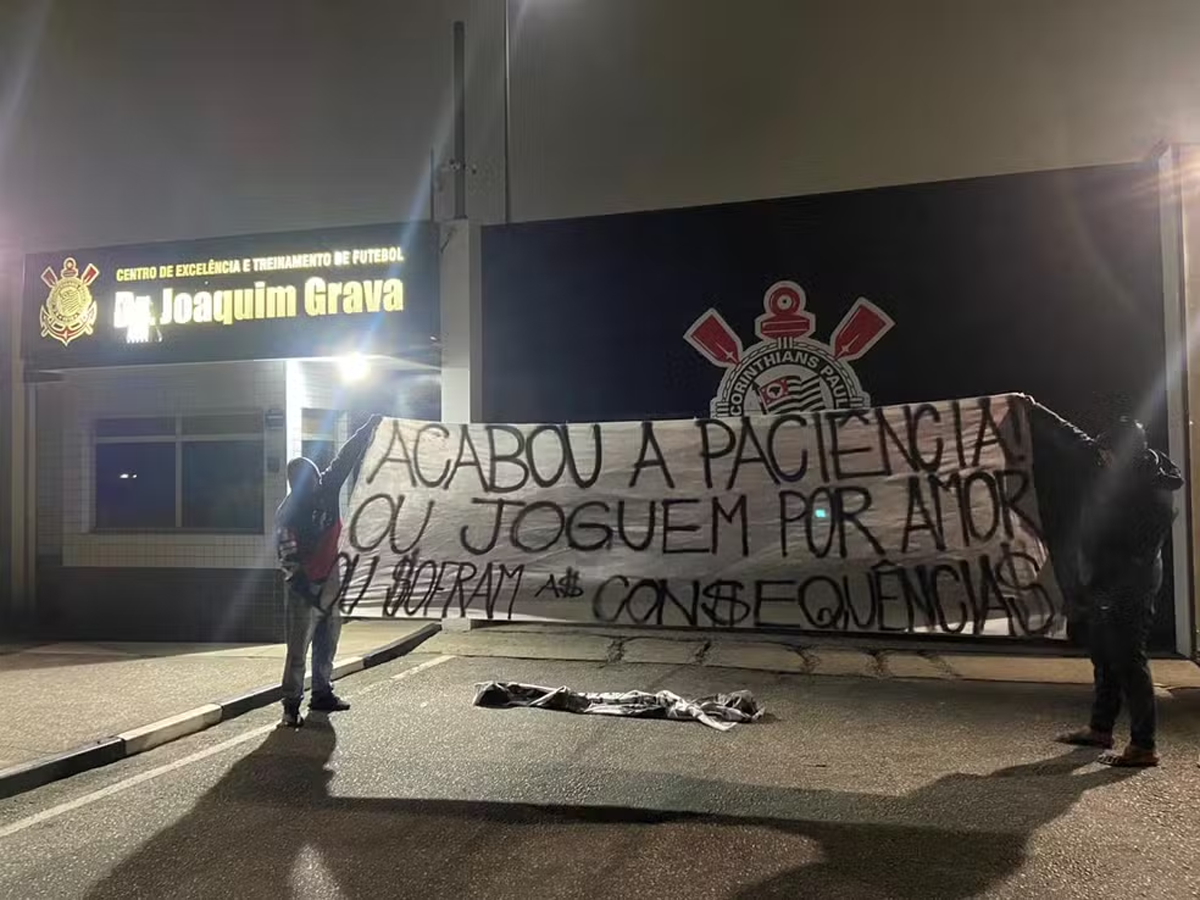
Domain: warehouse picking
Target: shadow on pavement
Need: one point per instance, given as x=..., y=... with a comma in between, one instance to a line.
x=271, y=828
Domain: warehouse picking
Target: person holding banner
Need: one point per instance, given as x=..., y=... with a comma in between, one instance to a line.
x=1123, y=521
x=308, y=525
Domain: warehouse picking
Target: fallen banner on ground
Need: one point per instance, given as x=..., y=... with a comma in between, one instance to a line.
x=719, y=711
x=918, y=518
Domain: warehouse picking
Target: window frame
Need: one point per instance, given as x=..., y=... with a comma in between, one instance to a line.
x=179, y=438
x=333, y=425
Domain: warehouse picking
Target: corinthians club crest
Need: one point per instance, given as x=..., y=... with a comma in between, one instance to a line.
x=69, y=310
x=788, y=371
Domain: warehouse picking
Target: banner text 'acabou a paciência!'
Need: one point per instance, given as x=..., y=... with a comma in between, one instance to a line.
x=919, y=518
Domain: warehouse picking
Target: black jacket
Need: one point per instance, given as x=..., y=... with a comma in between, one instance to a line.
x=1123, y=513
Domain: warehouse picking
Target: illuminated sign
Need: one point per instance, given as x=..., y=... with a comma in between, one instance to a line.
x=367, y=289
x=143, y=316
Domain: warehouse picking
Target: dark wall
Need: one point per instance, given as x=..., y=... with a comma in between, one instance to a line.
x=170, y=604
x=1048, y=283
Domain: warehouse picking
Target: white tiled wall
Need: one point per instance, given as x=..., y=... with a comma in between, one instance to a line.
x=161, y=390
x=67, y=414
x=311, y=384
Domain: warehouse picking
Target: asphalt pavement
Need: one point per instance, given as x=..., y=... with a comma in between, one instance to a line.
x=852, y=788
x=67, y=694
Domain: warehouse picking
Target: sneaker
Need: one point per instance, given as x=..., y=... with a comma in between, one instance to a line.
x=328, y=703
x=291, y=717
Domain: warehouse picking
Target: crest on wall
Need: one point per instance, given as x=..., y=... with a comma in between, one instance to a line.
x=788, y=370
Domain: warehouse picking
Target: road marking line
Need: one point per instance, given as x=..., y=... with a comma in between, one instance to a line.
x=133, y=781
x=88, y=799
x=422, y=667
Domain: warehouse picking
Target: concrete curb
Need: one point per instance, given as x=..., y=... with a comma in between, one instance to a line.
x=27, y=776
x=1174, y=677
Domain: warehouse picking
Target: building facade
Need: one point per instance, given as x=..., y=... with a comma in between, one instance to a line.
x=318, y=116
x=165, y=388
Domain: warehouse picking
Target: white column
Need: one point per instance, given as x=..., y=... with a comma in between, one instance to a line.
x=461, y=338
x=1179, y=221
x=15, y=500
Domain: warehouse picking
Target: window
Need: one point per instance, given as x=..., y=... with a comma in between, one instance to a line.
x=199, y=473
x=223, y=485
x=322, y=432
x=318, y=435
x=135, y=485
x=319, y=451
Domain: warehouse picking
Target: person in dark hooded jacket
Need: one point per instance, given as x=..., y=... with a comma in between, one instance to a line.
x=1124, y=519
x=308, y=525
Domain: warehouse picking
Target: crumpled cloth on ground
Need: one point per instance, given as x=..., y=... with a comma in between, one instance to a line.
x=720, y=711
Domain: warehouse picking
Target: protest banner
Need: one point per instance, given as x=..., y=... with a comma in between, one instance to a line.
x=916, y=518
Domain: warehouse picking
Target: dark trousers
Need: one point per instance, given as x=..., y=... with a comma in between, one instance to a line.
x=1117, y=634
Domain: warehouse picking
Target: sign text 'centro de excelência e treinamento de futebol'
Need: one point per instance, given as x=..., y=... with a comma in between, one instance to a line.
x=138, y=314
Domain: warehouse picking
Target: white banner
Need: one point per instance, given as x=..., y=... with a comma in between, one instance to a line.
x=919, y=518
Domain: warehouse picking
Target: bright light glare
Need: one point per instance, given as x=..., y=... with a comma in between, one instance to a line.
x=353, y=367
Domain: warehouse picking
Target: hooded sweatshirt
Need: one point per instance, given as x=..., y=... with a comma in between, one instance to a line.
x=1125, y=510
x=1125, y=520
x=308, y=524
